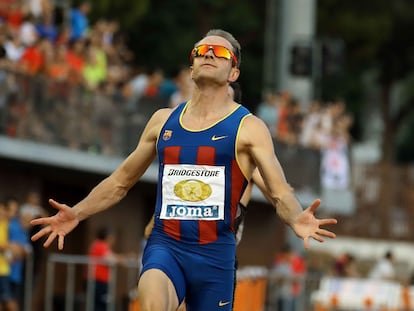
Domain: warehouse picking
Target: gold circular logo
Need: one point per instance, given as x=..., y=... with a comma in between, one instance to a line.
x=192, y=190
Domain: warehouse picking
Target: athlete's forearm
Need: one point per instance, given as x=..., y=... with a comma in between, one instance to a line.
x=288, y=207
x=105, y=195
x=115, y=187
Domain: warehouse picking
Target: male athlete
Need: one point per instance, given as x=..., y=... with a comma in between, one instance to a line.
x=207, y=149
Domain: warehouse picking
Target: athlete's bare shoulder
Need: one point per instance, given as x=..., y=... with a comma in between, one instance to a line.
x=254, y=138
x=161, y=115
x=253, y=128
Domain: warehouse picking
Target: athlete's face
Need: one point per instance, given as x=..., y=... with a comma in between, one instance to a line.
x=209, y=67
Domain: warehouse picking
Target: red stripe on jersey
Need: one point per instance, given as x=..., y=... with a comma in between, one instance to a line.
x=206, y=155
x=237, y=182
x=172, y=227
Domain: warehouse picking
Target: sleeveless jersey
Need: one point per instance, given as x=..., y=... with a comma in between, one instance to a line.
x=200, y=181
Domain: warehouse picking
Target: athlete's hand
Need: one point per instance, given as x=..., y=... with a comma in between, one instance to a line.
x=308, y=226
x=59, y=225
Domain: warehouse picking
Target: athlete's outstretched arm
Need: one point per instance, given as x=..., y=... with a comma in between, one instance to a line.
x=259, y=147
x=109, y=191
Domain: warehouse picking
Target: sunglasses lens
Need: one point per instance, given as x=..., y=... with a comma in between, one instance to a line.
x=219, y=51
x=201, y=50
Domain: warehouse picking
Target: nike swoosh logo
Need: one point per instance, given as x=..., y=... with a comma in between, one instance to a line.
x=222, y=304
x=214, y=137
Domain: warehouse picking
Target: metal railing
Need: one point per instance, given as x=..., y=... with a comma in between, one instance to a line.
x=28, y=283
x=258, y=288
x=71, y=262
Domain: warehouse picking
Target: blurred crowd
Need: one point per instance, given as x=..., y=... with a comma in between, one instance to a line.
x=313, y=126
x=57, y=66
x=60, y=44
x=322, y=129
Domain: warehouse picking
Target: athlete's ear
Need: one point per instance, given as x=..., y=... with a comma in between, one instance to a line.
x=234, y=74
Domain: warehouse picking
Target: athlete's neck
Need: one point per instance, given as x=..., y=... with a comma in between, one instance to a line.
x=204, y=109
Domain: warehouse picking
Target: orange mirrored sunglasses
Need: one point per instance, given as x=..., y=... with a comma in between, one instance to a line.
x=218, y=50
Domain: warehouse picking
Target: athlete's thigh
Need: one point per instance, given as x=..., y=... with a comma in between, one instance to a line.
x=156, y=291
x=216, y=292
x=161, y=282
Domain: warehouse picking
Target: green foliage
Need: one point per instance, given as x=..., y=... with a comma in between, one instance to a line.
x=379, y=36
x=126, y=12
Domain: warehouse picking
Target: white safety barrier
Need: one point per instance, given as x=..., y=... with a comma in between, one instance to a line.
x=361, y=294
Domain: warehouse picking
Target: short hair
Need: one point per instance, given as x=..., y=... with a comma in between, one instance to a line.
x=103, y=233
x=229, y=37
x=286, y=248
x=388, y=254
x=9, y=198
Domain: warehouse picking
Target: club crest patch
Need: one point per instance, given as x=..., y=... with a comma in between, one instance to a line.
x=167, y=135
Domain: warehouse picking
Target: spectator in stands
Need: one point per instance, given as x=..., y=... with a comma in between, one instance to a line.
x=145, y=83
x=63, y=37
x=282, y=131
x=94, y=70
x=384, y=269
x=268, y=111
x=107, y=31
x=75, y=57
x=308, y=137
x=295, y=121
x=57, y=67
x=289, y=271
x=330, y=115
x=335, y=160
x=47, y=29
x=185, y=85
x=33, y=60
x=155, y=79
x=32, y=206
x=79, y=20
x=343, y=126
x=135, y=87
x=15, y=16
x=28, y=33
x=95, y=42
x=14, y=48
x=29, y=210
x=38, y=8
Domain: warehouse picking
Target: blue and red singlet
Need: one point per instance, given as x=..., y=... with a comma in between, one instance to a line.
x=199, y=188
